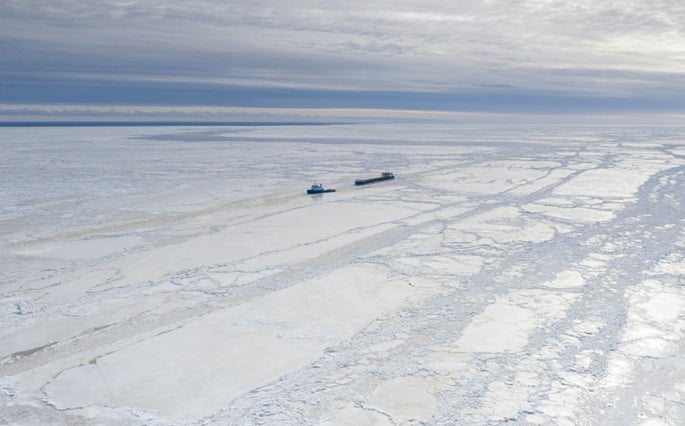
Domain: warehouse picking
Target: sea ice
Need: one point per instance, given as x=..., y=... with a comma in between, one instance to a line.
x=182, y=276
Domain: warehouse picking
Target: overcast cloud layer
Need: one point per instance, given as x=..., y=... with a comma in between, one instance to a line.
x=525, y=55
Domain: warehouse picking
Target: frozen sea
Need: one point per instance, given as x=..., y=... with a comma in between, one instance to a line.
x=180, y=275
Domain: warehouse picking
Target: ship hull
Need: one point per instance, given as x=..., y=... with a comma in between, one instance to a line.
x=317, y=191
x=372, y=180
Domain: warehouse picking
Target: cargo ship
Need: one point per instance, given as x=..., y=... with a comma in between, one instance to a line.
x=382, y=177
x=318, y=189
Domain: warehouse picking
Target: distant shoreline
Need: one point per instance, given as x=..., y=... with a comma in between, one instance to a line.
x=161, y=123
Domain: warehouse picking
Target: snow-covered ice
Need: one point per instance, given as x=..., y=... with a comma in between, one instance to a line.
x=160, y=275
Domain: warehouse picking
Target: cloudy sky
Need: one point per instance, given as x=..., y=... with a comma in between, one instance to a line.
x=518, y=56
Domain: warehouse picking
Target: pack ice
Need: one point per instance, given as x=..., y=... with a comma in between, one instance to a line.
x=181, y=275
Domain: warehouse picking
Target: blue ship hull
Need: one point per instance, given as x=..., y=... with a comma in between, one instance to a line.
x=319, y=191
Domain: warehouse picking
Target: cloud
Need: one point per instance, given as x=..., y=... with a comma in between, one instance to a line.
x=582, y=48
